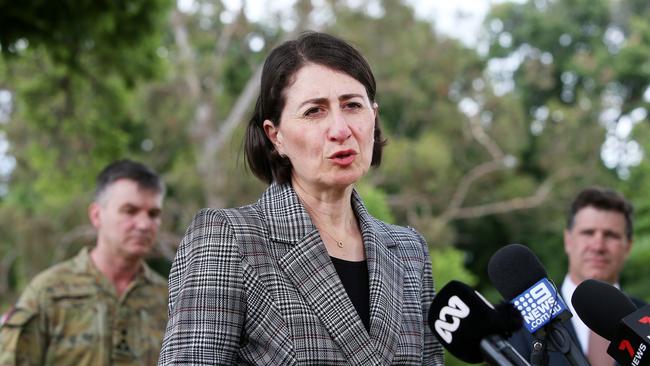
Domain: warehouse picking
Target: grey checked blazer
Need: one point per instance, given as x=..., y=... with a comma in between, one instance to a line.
x=255, y=286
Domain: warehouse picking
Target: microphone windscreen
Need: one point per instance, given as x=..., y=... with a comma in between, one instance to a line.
x=601, y=306
x=460, y=318
x=513, y=269
x=507, y=319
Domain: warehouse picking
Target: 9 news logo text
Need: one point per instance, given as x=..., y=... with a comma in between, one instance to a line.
x=539, y=304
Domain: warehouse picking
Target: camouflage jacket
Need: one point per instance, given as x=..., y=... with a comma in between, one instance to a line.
x=70, y=314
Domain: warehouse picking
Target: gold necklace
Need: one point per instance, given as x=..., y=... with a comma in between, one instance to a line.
x=338, y=242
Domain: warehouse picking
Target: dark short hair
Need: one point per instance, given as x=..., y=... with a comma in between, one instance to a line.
x=278, y=74
x=144, y=176
x=602, y=199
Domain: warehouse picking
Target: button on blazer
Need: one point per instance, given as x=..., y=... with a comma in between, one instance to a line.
x=255, y=286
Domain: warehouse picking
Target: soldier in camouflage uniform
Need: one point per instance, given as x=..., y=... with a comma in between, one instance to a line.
x=105, y=306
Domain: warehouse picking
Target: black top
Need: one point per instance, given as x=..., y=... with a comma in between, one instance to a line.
x=354, y=276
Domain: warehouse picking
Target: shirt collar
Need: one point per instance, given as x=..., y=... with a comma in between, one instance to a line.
x=83, y=263
x=582, y=331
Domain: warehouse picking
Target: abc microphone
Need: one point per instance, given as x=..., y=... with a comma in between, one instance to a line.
x=471, y=329
x=521, y=279
x=612, y=315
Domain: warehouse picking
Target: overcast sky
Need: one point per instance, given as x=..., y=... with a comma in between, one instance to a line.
x=457, y=18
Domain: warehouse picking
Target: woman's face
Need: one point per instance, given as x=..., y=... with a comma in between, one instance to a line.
x=326, y=128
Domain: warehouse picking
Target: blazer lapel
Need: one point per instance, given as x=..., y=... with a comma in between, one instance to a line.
x=309, y=267
x=386, y=283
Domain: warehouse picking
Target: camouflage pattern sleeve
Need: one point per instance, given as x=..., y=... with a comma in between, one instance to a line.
x=21, y=341
x=22, y=337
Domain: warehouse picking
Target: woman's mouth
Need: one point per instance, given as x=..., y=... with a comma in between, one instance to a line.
x=343, y=157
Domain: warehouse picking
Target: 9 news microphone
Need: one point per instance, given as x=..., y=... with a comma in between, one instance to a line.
x=611, y=314
x=521, y=279
x=471, y=329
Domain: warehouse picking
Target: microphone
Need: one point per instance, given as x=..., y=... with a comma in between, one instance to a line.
x=471, y=329
x=612, y=315
x=520, y=278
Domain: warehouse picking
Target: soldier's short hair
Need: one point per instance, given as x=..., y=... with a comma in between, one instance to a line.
x=145, y=177
x=602, y=199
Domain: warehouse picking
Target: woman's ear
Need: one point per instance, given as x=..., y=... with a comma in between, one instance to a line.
x=375, y=108
x=273, y=133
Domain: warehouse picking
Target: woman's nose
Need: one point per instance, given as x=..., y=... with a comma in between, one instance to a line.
x=339, y=130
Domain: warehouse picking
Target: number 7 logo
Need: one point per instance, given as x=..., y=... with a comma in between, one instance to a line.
x=625, y=345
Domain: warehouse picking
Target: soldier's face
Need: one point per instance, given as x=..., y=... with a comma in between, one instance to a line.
x=127, y=218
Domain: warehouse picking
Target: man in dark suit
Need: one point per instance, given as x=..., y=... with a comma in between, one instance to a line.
x=597, y=241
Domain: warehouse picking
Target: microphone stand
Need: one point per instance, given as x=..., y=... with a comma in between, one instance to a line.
x=555, y=337
x=496, y=351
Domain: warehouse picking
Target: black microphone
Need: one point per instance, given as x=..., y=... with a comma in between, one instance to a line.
x=612, y=315
x=471, y=329
x=521, y=279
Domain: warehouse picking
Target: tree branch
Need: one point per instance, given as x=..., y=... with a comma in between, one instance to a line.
x=5, y=266
x=212, y=141
x=167, y=244
x=479, y=134
x=84, y=233
x=466, y=181
x=519, y=203
x=186, y=56
x=497, y=163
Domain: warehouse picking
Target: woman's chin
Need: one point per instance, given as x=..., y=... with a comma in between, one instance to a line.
x=345, y=180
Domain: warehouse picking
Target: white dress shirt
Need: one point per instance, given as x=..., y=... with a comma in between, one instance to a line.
x=582, y=331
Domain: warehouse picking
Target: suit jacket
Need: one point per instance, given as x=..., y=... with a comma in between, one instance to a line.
x=256, y=286
x=522, y=341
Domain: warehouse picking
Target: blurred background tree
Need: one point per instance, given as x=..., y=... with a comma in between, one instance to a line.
x=68, y=80
x=581, y=73
x=487, y=142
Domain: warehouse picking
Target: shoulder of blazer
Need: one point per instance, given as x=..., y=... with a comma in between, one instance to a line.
x=222, y=226
x=240, y=221
x=389, y=234
x=398, y=233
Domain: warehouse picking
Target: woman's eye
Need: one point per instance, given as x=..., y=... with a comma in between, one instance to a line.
x=353, y=105
x=314, y=111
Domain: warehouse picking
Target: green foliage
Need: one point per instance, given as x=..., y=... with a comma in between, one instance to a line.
x=113, y=36
x=71, y=69
x=561, y=29
x=447, y=265
x=577, y=60
x=375, y=201
x=636, y=272
x=415, y=70
x=423, y=160
x=87, y=122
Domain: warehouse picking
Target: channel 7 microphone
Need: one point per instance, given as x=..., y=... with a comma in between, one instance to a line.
x=471, y=329
x=521, y=279
x=612, y=315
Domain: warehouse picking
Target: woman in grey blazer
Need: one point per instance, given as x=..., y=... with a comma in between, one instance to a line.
x=304, y=276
